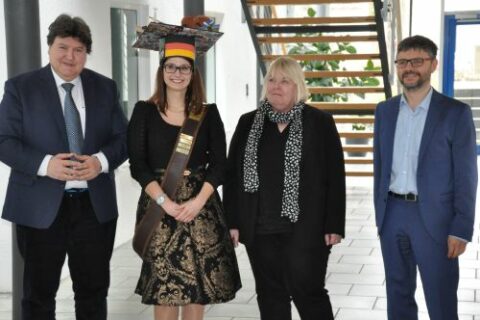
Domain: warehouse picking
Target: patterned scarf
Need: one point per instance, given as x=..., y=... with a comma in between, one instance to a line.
x=293, y=154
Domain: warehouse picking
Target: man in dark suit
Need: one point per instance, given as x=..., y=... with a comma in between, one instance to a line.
x=425, y=185
x=62, y=133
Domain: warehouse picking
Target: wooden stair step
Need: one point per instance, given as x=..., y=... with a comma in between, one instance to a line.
x=359, y=173
x=339, y=74
x=358, y=160
x=343, y=106
x=328, y=28
x=357, y=148
x=334, y=90
x=311, y=20
x=302, y=2
x=354, y=119
x=325, y=57
x=298, y=39
x=356, y=134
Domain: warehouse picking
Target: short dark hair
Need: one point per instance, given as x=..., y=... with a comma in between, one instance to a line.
x=418, y=43
x=66, y=26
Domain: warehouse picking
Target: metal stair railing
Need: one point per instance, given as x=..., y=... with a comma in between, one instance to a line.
x=270, y=33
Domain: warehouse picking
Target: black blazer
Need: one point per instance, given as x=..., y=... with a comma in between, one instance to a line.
x=322, y=182
x=32, y=125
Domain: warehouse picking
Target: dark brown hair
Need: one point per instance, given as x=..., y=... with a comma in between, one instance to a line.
x=66, y=26
x=194, y=97
x=418, y=43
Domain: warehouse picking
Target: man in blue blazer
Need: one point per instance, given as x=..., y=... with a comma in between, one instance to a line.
x=61, y=191
x=425, y=168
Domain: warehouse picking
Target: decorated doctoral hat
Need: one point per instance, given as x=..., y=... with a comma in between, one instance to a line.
x=194, y=37
x=179, y=46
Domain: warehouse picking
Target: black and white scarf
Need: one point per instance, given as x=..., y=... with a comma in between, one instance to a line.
x=293, y=155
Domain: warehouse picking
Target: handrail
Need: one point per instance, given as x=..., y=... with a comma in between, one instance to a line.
x=393, y=10
x=397, y=35
x=378, y=4
x=256, y=44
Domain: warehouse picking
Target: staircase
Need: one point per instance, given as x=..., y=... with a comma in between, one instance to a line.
x=472, y=98
x=275, y=31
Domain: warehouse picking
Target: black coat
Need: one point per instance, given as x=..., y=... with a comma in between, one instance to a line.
x=322, y=182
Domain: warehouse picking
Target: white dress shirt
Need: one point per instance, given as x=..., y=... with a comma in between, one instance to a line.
x=78, y=98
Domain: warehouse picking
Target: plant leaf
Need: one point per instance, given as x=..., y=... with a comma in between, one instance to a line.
x=351, y=49
x=369, y=65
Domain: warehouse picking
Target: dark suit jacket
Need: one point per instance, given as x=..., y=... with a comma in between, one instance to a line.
x=322, y=182
x=32, y=126
x=447, y=166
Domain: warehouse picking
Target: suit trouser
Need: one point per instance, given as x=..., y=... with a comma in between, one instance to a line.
x=88, y=244
x=406, y=245
x=284, y=272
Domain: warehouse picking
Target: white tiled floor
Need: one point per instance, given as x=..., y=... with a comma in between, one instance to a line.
x=355, y=277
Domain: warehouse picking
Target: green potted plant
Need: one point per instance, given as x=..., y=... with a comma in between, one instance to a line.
x=357, y=141
x=335, y=65
x=370, y=81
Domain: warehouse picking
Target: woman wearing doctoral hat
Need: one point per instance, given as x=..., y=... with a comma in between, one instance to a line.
x=191, y=260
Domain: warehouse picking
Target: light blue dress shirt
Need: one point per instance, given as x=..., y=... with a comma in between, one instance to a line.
x=408, y=136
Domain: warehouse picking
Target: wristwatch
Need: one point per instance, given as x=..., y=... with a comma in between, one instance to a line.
x=161, y=199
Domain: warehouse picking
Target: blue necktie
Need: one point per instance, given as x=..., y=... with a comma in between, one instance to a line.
x=72, y=121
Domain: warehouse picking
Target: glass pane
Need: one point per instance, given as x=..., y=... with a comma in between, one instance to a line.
x=467, y=69
x=210, y=75
x=124, y=57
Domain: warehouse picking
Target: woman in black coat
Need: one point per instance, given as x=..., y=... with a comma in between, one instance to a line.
x=285, y=195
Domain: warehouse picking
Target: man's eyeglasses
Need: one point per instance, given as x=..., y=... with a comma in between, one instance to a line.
x=172, y=68
x=415, y=62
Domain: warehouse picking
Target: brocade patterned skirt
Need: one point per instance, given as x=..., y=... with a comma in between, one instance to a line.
x=191, y=262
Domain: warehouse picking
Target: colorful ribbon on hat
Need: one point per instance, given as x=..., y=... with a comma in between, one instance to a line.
x=179, y=49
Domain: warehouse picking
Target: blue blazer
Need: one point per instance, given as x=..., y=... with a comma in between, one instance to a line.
x=447, y=166
x=32, y=126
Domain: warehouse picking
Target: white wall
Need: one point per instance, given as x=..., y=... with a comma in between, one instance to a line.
x=236, y=67
x=431, y=28
x=236, y=63
x=96, y=13
x=463, y=5
x=165, y=11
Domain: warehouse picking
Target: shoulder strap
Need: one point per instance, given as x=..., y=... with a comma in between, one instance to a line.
x=182, y=151
x=173, y=175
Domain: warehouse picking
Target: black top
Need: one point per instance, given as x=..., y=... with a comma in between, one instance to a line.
x=321, y=189
x=151, y=141
x=271, y=167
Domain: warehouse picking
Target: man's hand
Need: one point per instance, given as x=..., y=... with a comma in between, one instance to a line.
x=455, y=247
x=60, y=167
x=87, y=167
x=332, y=239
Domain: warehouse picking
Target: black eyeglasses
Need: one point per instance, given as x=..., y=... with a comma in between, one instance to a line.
x=415, y=62
x=172, y=68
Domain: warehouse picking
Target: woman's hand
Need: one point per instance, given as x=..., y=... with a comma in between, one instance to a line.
x=190, y=209
x=154, y=190
x=171, y=208
x=332, y=239
x=234, y=235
